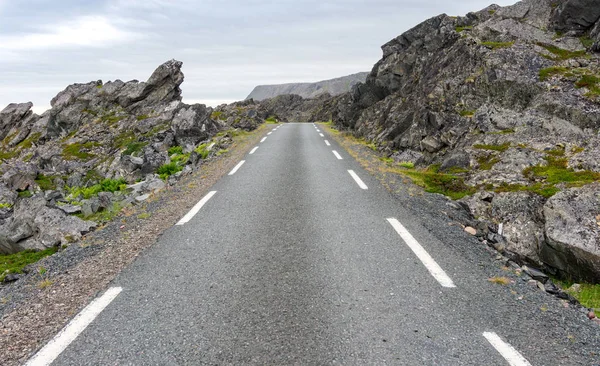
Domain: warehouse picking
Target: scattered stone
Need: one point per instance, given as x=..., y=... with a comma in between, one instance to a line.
x=69, y=209
x=591, y=315
x=471, y=230
x=536, y=274
x=143, y=197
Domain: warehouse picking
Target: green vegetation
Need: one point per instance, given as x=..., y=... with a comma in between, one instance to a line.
x=166, y=170
x=500, y=148
x=587, y=81
x=487, y=162
x=46, y=183
x=492, y=12
x=559, y=53
x=216, y=115
x=9, y=154
x=434, y=182
x=503, y=132
x=587, y=294
x=29, y=141
x=556, y=171
x=466, y=27
x=5, y=205
x=112, y=118
x=175, y=150
x=203, y=151
x=586, y=41
x=78, y=151
x=25, y=194
x=467, y=112
x=271, y=120
x=144, y=216
x=106, y=185
x=14, y=263
x=103, y=216
x=543, y=190
x=407, y=164
x=180, y=159
x=142, y=117
x=221, y=152
x=134, y=147
x=497, y=45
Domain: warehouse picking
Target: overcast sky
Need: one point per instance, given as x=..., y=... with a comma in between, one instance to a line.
x=227, y=46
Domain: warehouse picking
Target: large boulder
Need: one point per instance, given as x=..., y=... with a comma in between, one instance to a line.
x=14, y=117
x=20, y=176
x=33, y=225
x=576, y=16
x=573, y=232
x=193, y=124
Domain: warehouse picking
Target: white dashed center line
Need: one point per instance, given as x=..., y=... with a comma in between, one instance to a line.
x=337, y=155
x=196, y=208
x=327, y=143
x=436, y=271
x=54, y=348
x=359, y=181
x=263, y=139
x=269, y=133
x=511, y=355
x=321, y=135
x=318, y=130
x=253, y=150
x=235, y=169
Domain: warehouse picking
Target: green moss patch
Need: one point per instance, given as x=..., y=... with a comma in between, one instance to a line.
x=500, y=148
x=46, y=183
x=556, y=171
x=464, y=28
x=543, y=190
x=487, y=162
x=106, y=185
x=560, y=54
x=79, y=151
x=497, y=45
x=14, y=263
x=549, y=72
x=444, y=183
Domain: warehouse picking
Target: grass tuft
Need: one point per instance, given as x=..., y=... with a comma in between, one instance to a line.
x=14, y=263
x=499, y=280
x=500, y=148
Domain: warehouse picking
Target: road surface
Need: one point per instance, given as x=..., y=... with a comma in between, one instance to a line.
x=299, y=256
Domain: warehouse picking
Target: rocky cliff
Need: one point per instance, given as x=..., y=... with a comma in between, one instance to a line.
x=309, y=90
x=100, y=147
x=500, y=107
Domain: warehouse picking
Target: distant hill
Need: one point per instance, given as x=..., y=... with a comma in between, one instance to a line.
x=309, y=90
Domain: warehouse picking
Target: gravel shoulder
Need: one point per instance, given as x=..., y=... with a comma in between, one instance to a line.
x=56, y=288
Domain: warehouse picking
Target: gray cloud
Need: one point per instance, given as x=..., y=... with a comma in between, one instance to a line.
x=227, y=46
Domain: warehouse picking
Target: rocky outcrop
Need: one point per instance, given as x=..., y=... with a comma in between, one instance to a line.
x=333, y=87
x=78, y=157
x=506, y=100
x=572, y=232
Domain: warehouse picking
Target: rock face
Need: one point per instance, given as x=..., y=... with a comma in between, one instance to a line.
x=506, y=100
x=96, y=138
x=572, y=231
x=333, y=87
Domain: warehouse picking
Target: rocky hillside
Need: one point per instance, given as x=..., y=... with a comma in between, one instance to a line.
x=101, y=146
x=309, y=90
x=499, y=107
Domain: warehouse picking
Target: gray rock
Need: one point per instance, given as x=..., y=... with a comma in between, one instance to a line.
x=576, y=16
x=143, y=197
x=69, y=209
x=20, y=176
x=193, y=124
x=90, y=206
x=459, y=159
x=536, y=274
x=36, y=226
x=573, y=232
x=106, y=199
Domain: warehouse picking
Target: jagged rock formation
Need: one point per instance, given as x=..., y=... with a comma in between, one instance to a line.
x=84, y=155
x=506, y=101
x=309, y=90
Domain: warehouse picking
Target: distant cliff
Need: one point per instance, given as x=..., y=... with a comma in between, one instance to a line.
x=309, y=90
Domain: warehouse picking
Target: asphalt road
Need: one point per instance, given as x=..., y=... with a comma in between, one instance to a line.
x=292, y=262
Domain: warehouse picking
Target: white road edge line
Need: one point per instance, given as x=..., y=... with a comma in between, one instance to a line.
x=253, y=150
x=327, y=143
x=68, y=334
x=235, y=168
x=436, y=271
x=357, y=179
x=263, y=139
x=321, y=135
x=511, y=355
x=188, y=216
x=269, y=133
x=337, y=155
